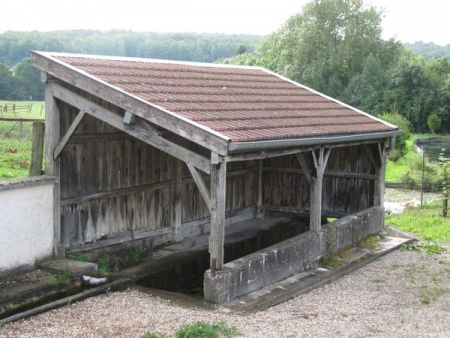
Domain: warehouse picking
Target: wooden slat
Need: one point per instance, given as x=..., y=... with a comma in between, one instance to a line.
x=65, y=139
x=140, y=130
x=116, y=192
x=138, y=107
x=201, y=185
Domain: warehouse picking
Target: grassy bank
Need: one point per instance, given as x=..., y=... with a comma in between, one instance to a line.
x=408, y=168
x=426, y=222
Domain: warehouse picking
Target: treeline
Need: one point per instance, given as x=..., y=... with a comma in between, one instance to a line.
x=335, y=47
x=429, y=50
x=20, y=81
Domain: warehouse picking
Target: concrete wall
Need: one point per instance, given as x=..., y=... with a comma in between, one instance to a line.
x=26, y=223
x=289, y=257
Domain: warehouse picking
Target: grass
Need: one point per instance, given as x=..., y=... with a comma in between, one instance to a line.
x=199, y=330
x=410, y=164
x=15, y=139
x=15, y=157
x=425, y=222
x=37, y=109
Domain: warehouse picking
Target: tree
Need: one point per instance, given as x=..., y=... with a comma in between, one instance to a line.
x=29, y=85
x=434, y=123
x=7, y=83
x=405, y=127
x=327, y=44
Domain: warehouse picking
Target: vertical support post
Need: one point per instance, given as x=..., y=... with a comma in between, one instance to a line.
x=218, y=200
x=320, y=162
x=52, y=167
x=380, y=176
x=258, y=189
x=37, y=149
x=177, y=199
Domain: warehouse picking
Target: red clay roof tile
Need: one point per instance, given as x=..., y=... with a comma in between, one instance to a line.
x=242, y=103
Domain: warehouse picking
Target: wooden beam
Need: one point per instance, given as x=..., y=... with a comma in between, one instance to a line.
x=73, y=127
x=304, y=165
x=117, y=192
x=52, y=166
x=380, y=175
x=37, y=150
x=139, y=130
x=327, y=173
x=260, y=155
x=369, y=153
x=218, y=197
x=320, y=162
x=183, y=127
x=201, y=185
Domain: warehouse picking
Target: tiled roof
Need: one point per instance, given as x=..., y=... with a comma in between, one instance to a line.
x=241, y=103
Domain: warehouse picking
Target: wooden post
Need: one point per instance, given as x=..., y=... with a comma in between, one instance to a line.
x=37, y=151
x=258, y=189
x=52, y=136
x=380, y=175
x=320, y=162
x=218, y=195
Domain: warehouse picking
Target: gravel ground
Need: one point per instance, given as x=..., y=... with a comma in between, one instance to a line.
x=403, y=294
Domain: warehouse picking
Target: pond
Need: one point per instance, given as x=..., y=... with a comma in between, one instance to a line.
x=433, y=147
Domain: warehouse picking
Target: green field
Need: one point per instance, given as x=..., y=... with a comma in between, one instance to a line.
x=37, y=110
x=15, y=137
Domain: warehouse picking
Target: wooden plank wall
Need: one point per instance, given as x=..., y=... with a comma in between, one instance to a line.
x=113, y=184
x=348, y=184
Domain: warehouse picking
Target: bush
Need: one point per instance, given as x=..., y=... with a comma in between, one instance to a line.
x=395, y=155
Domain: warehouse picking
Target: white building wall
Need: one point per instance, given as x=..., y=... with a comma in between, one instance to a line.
x=26, y=223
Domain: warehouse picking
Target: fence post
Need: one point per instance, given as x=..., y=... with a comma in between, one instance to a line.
x=37, y=151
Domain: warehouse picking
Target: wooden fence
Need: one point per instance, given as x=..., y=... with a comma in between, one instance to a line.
x=15, y=109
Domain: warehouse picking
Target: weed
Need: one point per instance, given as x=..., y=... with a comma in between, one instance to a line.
x=370, y=242
x=202, y=329
x=66, y=275
x=432, y=247
x=61, y=278
x=409, y=247
x=134, y=254
x=431, y=294
x=103, y=265
x=193, y=244
x=6, y=294
x=153, y=335
x=377, y=280
x=78, y=256
x=344, y=314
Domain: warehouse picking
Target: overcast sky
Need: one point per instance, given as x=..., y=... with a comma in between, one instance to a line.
x=407, y=20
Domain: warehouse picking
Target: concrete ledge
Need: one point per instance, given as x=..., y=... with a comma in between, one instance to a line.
x=27, y=182
x=289, y=257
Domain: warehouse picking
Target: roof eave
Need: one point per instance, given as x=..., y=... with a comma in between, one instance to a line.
x=309, y=141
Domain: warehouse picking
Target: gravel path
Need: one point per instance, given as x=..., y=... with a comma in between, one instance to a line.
x=403, y=294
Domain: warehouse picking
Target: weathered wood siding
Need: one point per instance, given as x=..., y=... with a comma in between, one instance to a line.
x=113, y=184
x=348, y=183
